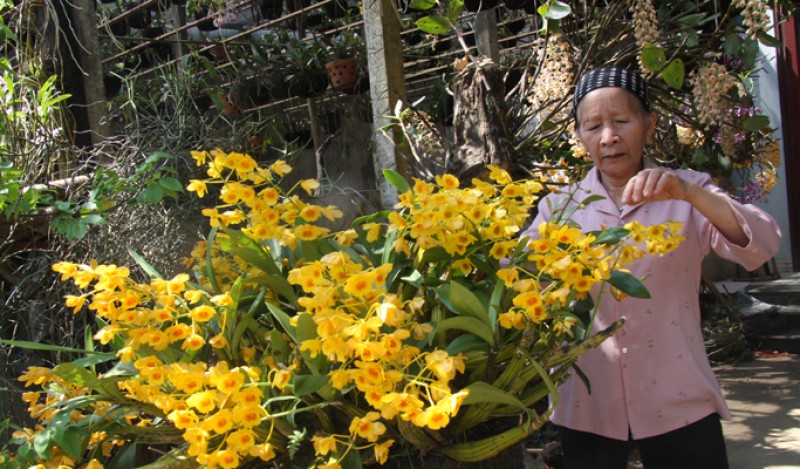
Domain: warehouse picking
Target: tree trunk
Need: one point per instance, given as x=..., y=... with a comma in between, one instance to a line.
x=481, y=135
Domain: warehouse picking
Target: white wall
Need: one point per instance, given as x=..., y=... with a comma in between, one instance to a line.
x=766, y=83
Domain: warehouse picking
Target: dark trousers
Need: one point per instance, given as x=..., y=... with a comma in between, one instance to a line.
x=699, y=445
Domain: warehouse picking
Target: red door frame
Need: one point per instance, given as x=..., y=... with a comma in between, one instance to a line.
x=789, y=87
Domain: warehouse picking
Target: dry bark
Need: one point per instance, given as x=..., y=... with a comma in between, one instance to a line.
x=481, y=131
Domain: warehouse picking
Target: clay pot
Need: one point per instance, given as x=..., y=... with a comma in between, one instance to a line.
x=231, y=105
x=343, y=73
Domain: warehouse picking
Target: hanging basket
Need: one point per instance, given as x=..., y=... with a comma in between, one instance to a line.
x=343, y=73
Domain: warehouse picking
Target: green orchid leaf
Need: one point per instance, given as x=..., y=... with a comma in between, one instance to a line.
x=653, y=57
x=696, y=19
x=42, y=443
x=148, y=269
x=435, y=24
x=284, y=320
x=125, y=458
x=749, y=52
x=674, y=74
x=699, y=156
x=494, y=304
x=422, y=4
x=352, y=460
x=73, y=441
x=208, y=270
x=557, y=10
x=611, y=235
x=307, y=330
x=767, y=40
x=454, y=10
x=460, y=300
x=691, y=39
x=481, y=392
x=249, y=250
x=93, y=360
x=465, y=343
x=52, y=348
x=76, y=374
x=307, y=384
x=170, y=183
x=732, y=44
x=354, y=256
x=257, y=256
x=757, y=122
x=374, y=216
x=628, y=284
x=152, y=195
x=60, y=421
x=592, y=198
x=397, y=180
x=279, y=349
x=434, y=255
x=468, y=324
x=310, y=250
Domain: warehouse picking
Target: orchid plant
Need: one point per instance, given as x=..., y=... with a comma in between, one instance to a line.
x=401, y=335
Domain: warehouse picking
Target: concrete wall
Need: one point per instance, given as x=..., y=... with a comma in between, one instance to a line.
x=767, y=92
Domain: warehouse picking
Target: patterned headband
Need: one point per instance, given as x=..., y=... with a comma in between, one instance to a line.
x=616, y=77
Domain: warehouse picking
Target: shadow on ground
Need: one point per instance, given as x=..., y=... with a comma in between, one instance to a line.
x=764, y=398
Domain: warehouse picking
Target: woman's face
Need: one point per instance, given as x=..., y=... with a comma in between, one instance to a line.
x=614, y=127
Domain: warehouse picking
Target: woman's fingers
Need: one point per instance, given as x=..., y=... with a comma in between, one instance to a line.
x=653, y=184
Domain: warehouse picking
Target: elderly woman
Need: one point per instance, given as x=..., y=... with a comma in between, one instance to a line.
x=650, y=385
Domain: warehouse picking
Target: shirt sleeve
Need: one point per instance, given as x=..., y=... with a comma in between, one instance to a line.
x=762, y=231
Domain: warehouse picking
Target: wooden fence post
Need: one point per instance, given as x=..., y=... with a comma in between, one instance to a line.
x=387, y=87
x=90, y=63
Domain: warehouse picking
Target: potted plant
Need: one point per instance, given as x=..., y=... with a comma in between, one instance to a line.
x=304, y=63
x=347, y=61
x=293, y=343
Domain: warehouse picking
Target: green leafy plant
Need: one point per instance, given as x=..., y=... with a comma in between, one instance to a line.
x=150, y=183
x=347, y=45
x=289, y=342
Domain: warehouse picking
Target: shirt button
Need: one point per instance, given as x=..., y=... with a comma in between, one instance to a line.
x=624, y=349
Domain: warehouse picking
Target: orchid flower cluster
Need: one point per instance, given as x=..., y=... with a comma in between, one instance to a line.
x=289, y=341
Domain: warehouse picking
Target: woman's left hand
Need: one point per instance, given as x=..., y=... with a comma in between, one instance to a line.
x=655, y=184
x=658, y=184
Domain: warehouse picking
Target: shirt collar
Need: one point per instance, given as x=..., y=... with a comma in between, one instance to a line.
x=591, y=185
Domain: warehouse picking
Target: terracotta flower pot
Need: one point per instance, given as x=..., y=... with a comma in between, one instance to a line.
x=343, y=73
x=232, y=106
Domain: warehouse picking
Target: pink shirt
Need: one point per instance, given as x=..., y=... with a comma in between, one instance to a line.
x=653, y=375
